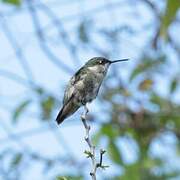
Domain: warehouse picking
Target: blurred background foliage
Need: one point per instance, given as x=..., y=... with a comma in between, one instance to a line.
x=139, y=123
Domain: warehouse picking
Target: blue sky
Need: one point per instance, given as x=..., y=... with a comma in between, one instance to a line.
x=54, y=79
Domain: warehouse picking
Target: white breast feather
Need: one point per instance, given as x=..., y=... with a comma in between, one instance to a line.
x=94, y=69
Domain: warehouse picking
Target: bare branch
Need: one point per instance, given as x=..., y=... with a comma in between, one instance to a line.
x=14, y=77
x=153, y=7
x=91, y=153
x=17, y=49
x=61, y=32
x=40, y=35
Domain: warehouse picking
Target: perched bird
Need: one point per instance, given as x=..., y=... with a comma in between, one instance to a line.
x=84, y=86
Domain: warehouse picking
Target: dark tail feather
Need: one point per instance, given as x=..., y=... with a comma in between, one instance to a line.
x=66, y=111
x=60, y=117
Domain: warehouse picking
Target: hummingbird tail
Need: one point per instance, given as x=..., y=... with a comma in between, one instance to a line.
x=60, y=117
x=66, y=111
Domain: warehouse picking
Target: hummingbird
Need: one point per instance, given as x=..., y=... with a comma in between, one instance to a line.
x=84, y=86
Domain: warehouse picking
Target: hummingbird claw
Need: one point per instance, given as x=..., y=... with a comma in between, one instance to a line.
x=86, y=138
x=88, y=127
x=83, y=117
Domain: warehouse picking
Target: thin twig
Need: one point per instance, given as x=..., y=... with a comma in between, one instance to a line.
x=14, y=77
x=91, y=153
x=41, y=39
x=17, y=49
x=101, y=158
x=61, y=32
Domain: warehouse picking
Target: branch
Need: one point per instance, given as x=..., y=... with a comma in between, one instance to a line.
x=61, y=32
x=153, y=7
x=17, y=49
x=14, y=77
x=91, y=153
x=41, y=39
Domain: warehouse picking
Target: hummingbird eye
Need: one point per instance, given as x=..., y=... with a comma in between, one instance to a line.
x=100, y=62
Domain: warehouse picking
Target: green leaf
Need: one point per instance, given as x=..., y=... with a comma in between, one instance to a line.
x=16, y=160
x=132, y=172
x=13, y=2
x=69, y=178
x=170, y=14
x=47, y=105
x=96, y=137
x=88, y=154
x=61, y=178
x=19, y=110
x=39, y=90
x=146, y=84
x=114, y=153
x=173, y=85
x=147, y=65
x=83, y=31
x=159, y=101
x=109, y=130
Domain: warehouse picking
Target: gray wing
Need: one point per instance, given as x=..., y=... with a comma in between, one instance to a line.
x=69, y=91
x=75, y=84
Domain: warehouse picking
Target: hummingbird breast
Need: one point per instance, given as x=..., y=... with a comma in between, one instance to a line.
x=84, y=86
x=92, y=83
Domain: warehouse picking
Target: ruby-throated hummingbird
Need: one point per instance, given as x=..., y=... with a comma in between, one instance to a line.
x=84, y=86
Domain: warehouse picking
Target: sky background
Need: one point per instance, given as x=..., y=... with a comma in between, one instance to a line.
x=38, y=136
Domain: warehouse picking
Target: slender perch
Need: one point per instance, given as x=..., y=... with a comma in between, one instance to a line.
x=91, y=153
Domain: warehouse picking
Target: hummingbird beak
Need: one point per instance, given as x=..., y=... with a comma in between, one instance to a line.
x=115, y=61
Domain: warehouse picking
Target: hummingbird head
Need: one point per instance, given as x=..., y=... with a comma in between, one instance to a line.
x=100, y=64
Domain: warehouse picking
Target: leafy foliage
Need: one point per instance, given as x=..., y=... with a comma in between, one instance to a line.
x=13, y=2
x=20, y=109
x=143, y=124
x=172, y=8
x=69, y=178
x=114, y=153
x=16, y=160
x=174, y=84
x=147, y=65
x=47, y=105
x=83, y=31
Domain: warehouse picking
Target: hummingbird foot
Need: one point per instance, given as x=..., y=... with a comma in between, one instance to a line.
x=83, y=117
x=86, y=110
x=87, y=127
x=87, y=136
